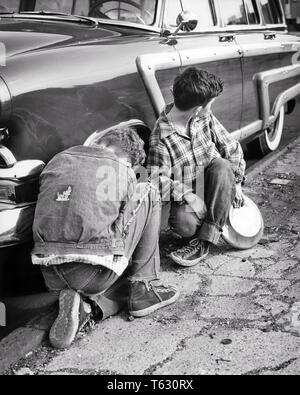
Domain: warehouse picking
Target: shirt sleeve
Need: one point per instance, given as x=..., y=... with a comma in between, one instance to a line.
x=229, y=149
x=159, y=166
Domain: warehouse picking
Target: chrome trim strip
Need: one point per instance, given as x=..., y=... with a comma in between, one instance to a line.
x=151, y=28
x=269, y=48
x=5, y=100
x=264, y=80
x=283, y=98
x=248, y=131
x=7, y=156
x=16, y=225
x=233, y=29
x=147, y=66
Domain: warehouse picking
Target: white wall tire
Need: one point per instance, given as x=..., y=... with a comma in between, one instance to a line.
x=271, y=138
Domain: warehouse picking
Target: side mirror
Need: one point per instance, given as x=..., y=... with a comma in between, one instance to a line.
x=186, y=21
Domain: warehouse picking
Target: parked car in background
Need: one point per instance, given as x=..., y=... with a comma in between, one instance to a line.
x=70, y=67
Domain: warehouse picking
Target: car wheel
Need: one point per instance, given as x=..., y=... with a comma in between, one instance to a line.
x=270, y=140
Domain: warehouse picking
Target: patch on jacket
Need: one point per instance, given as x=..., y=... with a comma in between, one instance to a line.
x=65, y=193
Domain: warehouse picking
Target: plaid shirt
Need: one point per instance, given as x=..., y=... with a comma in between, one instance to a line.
x=178, y=161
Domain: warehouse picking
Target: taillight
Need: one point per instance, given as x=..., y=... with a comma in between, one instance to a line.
x=19, y=192
x=19, y=184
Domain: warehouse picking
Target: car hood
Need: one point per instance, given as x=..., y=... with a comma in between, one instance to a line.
x=19, y=36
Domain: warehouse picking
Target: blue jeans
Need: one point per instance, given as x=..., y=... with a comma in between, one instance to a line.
x=219, y=195
x=103, y=286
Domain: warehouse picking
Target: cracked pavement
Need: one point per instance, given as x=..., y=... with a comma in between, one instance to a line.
x=237, y=313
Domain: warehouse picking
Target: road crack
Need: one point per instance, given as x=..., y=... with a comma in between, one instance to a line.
x=277, y=368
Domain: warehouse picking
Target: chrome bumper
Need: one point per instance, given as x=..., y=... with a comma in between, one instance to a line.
x=16, y=225
x=16, y=218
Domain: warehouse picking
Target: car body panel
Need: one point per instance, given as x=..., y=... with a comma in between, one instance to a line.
x=98, y=93
x=261, y=55
x=222, y=59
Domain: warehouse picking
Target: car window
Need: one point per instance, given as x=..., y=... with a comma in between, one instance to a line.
x=252, y=12
x=172, y=9
x=272, y=12
x=234, y=12
x=204, y=11
x=10, y=5
x=54, y=5
x=201, y=8
x=136, y=11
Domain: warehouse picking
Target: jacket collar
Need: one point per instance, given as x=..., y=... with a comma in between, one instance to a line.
x=167, y=127
x=121, y=160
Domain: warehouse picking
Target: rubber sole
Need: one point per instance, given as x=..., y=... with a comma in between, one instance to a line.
x=184, y=263
x=65, y=327
x=155, y=307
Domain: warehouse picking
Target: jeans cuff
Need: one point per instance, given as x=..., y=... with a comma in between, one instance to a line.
x=108, y=307
x=210, y=232
x=133, y=279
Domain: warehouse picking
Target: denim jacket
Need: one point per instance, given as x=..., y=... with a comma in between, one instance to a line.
x=83, y=195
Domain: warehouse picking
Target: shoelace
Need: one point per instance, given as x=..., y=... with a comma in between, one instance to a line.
x=193, y=246
x=155, y=289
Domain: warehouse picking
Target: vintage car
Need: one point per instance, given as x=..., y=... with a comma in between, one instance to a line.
x=69, y=68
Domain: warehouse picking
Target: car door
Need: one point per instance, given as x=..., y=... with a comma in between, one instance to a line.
x=266, y=46
x=211, y=48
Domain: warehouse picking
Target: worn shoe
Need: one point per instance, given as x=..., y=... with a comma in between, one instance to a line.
x=145, y=298
x=192, y=254
x=66, y=326
x=85, y=315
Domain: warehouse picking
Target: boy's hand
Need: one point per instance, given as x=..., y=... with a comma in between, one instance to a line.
x=196, y=204
x=239, y=200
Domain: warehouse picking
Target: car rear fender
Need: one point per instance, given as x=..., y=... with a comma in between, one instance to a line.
x=263, y=82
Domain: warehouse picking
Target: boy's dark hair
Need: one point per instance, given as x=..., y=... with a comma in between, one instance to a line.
x=195, y=88
x=127, y=140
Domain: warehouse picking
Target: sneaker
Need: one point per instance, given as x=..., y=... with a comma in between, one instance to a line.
x=66, y=326
x=145, y=298
x=192, y=254
x=85, y=315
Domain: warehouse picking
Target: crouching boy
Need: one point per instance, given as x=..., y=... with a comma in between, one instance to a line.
x=188, y=140
x=95, y=226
